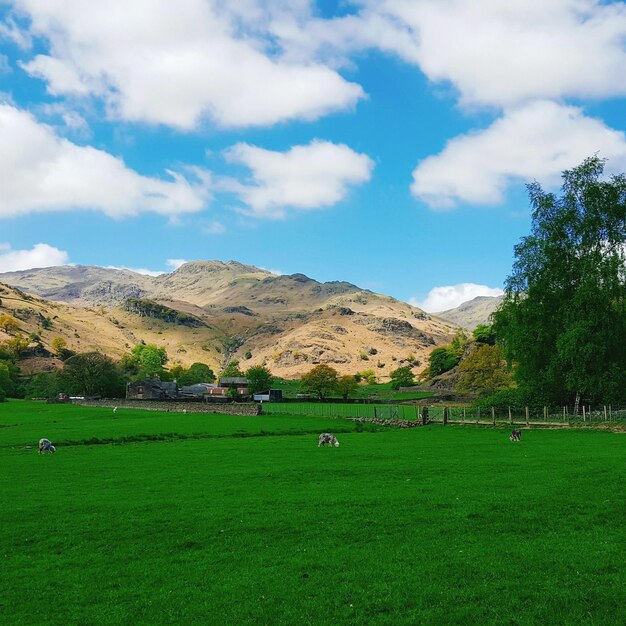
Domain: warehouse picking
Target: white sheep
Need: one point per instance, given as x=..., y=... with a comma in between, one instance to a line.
x=45, y=445
x=327, y=438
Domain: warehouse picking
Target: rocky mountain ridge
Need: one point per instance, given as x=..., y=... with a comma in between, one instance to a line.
x=211, y=312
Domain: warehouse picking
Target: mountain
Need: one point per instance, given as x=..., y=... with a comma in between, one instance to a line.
x=473, y=312
x=211, y=312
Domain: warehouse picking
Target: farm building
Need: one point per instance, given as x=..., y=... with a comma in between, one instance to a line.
x=196, y=391
x=151, y=390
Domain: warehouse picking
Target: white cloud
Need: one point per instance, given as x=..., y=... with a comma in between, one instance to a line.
x=176, y=63
x=175, y=263
x=5, y=66
x=303, y=178
x=214, y=228
x=494, y=53
x=40, y=171
x=40, y=255
x=451, y=296
x=537, y=141
x=10, y=31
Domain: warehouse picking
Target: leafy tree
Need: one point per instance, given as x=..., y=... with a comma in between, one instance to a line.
x=9, y=324
x=259, y=378
x=484, y=371
x=347, y=385
x=369, y=376
x=58, y=344
x=441, y=360
x=145, y=360
x=458, y=343
x=484, y=333
x=232, y=393
x=16, y=346
x=321, y=380
x=563, y=319
x=197, y=373
x=44, y=385
x=402, y=377
x=6, y=384
x=232, y=370
x=90, y=374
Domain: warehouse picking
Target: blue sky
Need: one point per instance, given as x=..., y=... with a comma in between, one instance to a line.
x=383, y=142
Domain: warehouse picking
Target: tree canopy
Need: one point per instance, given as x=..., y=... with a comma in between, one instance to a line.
x=90, y=374
x=259, y=379
x=321, y=380
x=402, y=377
x=563, y=319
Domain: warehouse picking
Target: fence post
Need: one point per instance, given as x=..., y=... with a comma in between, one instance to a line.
x=610, y=416
x=493, y=415
x=527, y=420
x=510, y=417
x=445, y=415
x=424, y=415
x=584, y=420
x=478, y=415
x=464, y=415
x=605, y=412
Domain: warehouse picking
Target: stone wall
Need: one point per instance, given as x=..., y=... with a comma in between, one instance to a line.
x=226, y=408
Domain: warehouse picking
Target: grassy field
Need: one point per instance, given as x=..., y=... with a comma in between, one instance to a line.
x=436, y=525
x=380, y=391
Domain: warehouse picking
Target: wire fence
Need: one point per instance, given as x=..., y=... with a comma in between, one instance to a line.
x=444, y=414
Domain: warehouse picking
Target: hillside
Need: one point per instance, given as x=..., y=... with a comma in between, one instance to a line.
x=473, y=312
x=210, y=311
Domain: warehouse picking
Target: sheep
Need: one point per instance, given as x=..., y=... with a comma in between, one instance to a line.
x=114, y=409
x=516, y=435
x=327, y=438
x=46, y=446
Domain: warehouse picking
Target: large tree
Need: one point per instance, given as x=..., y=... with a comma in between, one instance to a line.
x=90, y=374
x=563, y=319
x=259, y=379
x=321, y=380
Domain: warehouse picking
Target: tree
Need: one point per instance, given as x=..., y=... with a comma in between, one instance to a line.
x=441, y=360
x=197, y=373
x=9, y=324
x=145, y=360
x=484, y=371
x=563, y=319
x=347, y=385
x=15, y=346
x=58, y=344
x=259, y=379
x=484, y=333
x=321, y=380
x=402, y=377
x=90, y=374
x=369, y=376
x=232, y=370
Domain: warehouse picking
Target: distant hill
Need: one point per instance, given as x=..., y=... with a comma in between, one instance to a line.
x=473, y=312
x=211, y=312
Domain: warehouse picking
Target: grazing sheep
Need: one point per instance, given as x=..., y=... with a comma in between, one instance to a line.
x=327, y=438
x=46, y=446
x=516, y=435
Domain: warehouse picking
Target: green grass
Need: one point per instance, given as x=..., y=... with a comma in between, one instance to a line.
x=425, y=526
x=381, y=391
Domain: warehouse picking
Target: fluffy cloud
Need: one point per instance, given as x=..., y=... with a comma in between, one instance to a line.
x=537, y=141
x=503, y=53
x=40, y=255
x=303, y=178
x=451, y=296
x=175, y=263
x=40, y=171
x=175, y=63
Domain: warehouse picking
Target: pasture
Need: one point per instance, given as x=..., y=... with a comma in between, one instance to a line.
x=208, y=519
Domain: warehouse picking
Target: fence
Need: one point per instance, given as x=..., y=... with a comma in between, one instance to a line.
x=544, y=416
